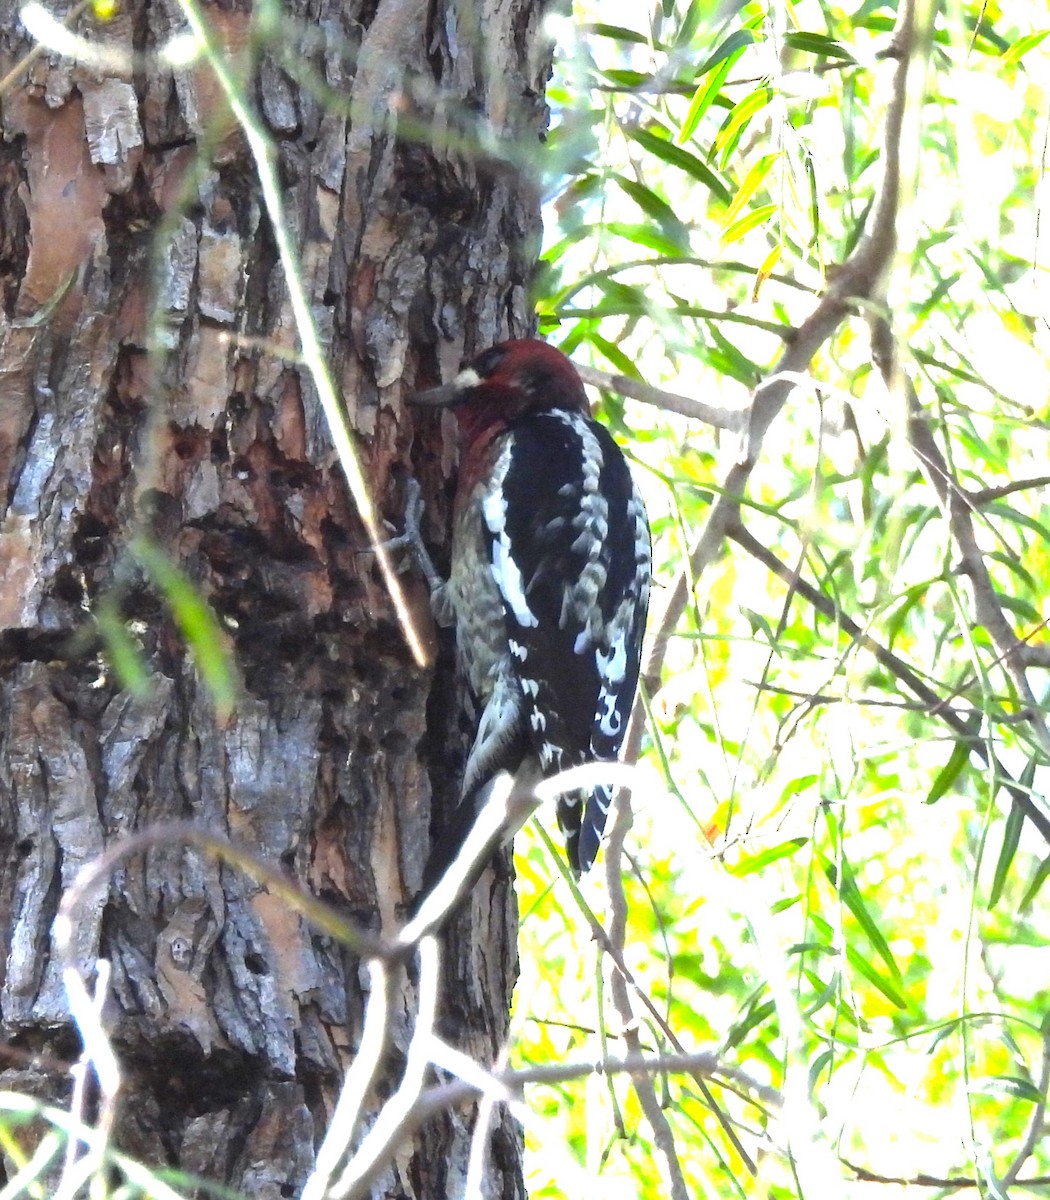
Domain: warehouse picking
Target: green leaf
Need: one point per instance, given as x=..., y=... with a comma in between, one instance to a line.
x=626, y=296
x=811, y=948
x=948, y=774
x=757, y=216
x=1033, y=889
x=1023, y=44
x=1020, y=606
x=851, y=896
x=727, y=359
x=653, y=206
x=758, y=1014
x=677, y=157
x=751, y=183
x=1011, y=840
x=758, y=621
x=863, y=966
x=738, y=119
x=696, y=13
x=617, y=33
x=825, y=995
x=731, y=49
x=1010, y=1085
x=1015, y=567
x=818, y=43
x=770, y=855
x=553, y=253
x=204, y=637
x=121, y=648
x=703, y=98
x=626, y=79
x=623, y=364
x=644, y=235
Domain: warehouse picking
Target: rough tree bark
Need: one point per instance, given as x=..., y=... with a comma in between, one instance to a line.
x=130, y=219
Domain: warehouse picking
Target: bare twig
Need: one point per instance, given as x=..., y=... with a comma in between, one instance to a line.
x=663, y=1138
x=319, y=914
x=27, y=60
x=479, y=1139
x=957, y=510
x=609, y=309
x=987, y=495
x=704, y=1063
x=732, y=419
x=506, y=809
x=937, y=706
x=814, y=698
x=138, y=1176
x=858, y=279
x=1036, y=1122
x=955, y=1183
x=507, y=1086
x=86, y=1011
x=358, y=1082
x=388, y=1130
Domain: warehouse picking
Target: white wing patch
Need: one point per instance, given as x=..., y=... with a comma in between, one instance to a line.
x=504, y=569
x=613, y=665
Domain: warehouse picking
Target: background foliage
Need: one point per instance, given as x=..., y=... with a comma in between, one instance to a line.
x=810, y=833
x=830, y=886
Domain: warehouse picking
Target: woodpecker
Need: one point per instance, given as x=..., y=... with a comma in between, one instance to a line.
x=549, y=587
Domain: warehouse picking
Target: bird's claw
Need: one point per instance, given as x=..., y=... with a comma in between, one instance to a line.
x=411, y=538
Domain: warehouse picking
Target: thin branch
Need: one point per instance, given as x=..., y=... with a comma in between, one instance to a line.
x=955, y=1183
x=507, y=1086
x=388, y=1130
x=319, y=914
x=663, y=1137
x=86, y=1010
x=506, y=808
x=42, y=45
x=1036, y=1126
x=959, y=515
x=986, y=495
x=704, y=1063
x=613, y=942
x=664, y=261
x=610, y=309
x=815, y=698
x=358, y=1082
x=937, y=706
x=1037, y=656
x=479, y=1141
x=732, y=419
x=857, y=279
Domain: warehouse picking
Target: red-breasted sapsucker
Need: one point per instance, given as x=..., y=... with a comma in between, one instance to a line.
x=549, y=587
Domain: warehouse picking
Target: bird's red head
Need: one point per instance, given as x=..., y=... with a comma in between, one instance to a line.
x=500, y=384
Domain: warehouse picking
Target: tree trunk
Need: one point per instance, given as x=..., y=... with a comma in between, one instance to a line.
x=142, y=390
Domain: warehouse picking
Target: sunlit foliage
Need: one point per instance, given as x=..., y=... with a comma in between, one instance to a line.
x=811, y=834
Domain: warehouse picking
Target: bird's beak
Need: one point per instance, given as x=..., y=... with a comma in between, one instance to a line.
x=437, y=397
x=448, y=393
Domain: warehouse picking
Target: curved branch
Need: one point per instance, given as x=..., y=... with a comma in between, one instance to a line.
x=957, y=510
x=721, y=418
x=859, y=278
x=937, y=706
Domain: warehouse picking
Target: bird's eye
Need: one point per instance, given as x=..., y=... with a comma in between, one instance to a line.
x=533, y=380
x=486, y=364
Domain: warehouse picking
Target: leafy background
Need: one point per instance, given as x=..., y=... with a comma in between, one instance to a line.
x=824, y=876
x=828, y=887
